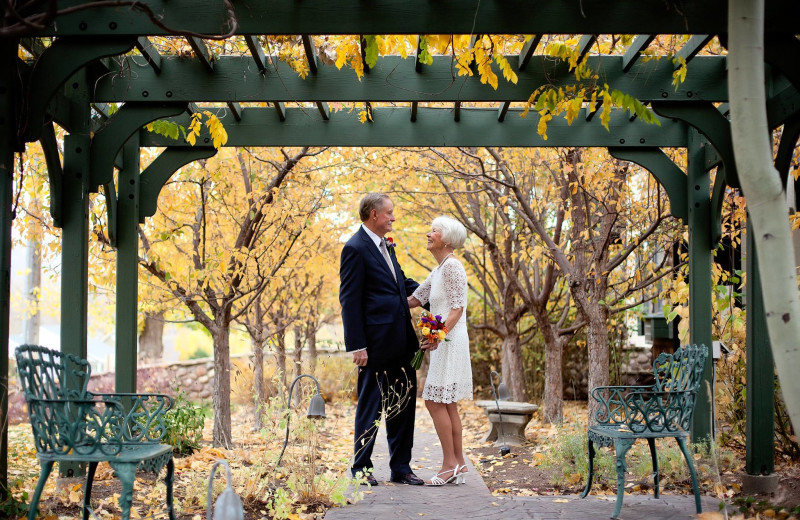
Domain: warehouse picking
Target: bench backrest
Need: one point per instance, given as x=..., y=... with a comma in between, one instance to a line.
x=48, y=379
x=681, y=370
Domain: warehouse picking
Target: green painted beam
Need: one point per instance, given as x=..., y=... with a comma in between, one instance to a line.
x=156, y=175
x=110, y=194
x=699, y=184
x=57, y=64
x=786, y=148
x=712, y=124
x=109, y=139
x=634, y=52
x=9, y=93
x=127, y=297
x=210, y=17
x=692, y=47
x=760, y=402
x=75, y=232
x=668, y=174
x=55, y=173
x=527, y=52
x=433, y=127
x=257, y=52
x=150, y=53
x=238, y=78
x=782, y=106
x=782, y=52
x=717, y=201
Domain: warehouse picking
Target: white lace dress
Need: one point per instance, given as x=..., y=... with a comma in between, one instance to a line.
x=450, y=373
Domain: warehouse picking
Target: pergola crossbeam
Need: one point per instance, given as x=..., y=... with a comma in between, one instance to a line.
x=202, y=52
x=692, y=47
x=394, y=79
x=311, y=53
x=585, y=43
x=640, y=43
x=150, y=53
x=257, y=52
x=392, y=126
x=288, y=17
x=527, y=51
x=280, y=109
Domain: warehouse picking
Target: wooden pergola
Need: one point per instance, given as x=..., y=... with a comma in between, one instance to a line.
x=72, y=81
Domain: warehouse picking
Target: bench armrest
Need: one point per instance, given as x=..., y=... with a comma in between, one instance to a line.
x=641, y=408
x=76, y=426
x=143, y=419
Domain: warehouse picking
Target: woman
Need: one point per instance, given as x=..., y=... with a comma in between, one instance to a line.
x=449, y=377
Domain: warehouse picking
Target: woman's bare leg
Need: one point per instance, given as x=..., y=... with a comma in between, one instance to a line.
x=456, y=433
x=444, y=429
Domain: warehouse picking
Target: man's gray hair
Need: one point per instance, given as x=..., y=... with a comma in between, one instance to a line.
x=369, y=202
x=453, y=232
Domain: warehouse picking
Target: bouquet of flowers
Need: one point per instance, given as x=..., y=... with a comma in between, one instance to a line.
x=433, y=329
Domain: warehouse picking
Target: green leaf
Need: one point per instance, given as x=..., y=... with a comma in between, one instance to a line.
x=370, y=50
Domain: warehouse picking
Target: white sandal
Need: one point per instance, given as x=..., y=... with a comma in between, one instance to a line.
x=461, y=475
x=437, y=480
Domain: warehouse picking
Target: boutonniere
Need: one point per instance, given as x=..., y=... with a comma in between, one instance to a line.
x=390, y=242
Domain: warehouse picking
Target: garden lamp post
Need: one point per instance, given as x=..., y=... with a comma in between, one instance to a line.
x=501, y=393
x=316, y=409
x=229, y=505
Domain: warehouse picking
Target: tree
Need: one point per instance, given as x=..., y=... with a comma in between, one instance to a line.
x=766, y=198
x=218, y=246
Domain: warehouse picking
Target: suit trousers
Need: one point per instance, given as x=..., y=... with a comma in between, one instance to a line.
x=393, y=393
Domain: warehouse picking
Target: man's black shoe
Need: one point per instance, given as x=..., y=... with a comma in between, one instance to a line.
x=408, y=478
x=369, y=478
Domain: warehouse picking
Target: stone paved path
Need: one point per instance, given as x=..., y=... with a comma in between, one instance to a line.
x=474, y=501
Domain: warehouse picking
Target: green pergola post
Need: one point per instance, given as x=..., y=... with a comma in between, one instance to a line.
x=698, y=196
x=760, y=425
x=8, y=133
x=127, y=267
x=75, y=233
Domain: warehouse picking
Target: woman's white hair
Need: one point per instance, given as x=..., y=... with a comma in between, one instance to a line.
x=453, y=232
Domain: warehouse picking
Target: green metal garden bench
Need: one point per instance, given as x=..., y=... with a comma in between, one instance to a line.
x=72, y=425
x=627, y=413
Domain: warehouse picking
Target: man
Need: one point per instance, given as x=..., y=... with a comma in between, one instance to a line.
x=379, y=333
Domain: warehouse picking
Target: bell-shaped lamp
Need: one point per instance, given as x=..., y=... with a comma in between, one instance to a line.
x=502, y=392
x=316, y=408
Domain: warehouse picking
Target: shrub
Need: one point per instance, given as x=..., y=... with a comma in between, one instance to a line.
x=184, y=423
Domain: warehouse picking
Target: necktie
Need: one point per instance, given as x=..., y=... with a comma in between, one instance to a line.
x=386, y=257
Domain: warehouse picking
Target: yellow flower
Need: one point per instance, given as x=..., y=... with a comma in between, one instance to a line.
x=442, y=334
x=425, y=331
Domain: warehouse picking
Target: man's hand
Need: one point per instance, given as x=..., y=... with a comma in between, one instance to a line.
x=429, y=345
x=360, y=358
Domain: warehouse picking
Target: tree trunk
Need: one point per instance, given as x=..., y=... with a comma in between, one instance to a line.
x=258, y=381
x=221, y=436
x=553, y=379
x=766, y=199
x=298, y=359
x=151, y=340
x=312, y=353
x=597, y=343
x=298, y=351
x=513, y=373
x=34, y=287
x=280, y=355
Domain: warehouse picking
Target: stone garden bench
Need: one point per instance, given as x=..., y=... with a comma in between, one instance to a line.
x=507, y=426
x=72, y=425
x=627, y=413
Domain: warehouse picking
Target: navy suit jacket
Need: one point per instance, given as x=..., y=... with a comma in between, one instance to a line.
x=375, y=310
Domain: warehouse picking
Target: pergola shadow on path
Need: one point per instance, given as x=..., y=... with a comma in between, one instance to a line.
x=89, y=65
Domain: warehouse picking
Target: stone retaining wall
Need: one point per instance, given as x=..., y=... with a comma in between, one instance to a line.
x=195, y=377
